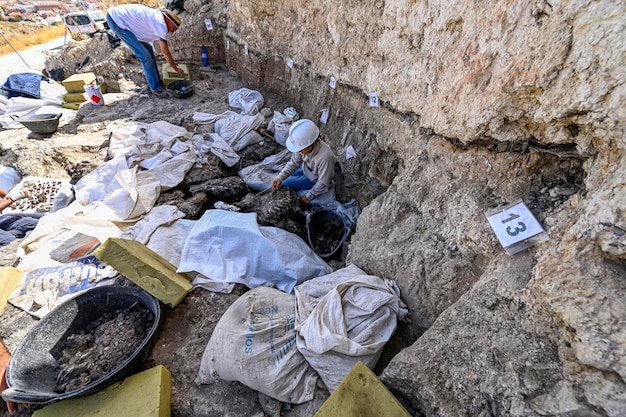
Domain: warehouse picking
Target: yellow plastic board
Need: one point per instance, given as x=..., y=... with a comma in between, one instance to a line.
x=71, y=106
x=74, y=97
x=145, y=268
x=9, y=278
x=146, y=394
x=170, y=75
x=76, y=83
x=361, y=394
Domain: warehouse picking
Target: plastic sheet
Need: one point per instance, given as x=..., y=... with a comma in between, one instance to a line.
x=231, y=247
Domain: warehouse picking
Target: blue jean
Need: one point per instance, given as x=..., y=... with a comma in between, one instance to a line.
x=298, y=181
x=142, y=50
x=16, y=226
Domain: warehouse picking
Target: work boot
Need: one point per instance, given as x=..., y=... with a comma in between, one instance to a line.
x=160, y=94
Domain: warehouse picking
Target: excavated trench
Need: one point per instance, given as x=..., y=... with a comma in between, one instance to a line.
x=547, y=176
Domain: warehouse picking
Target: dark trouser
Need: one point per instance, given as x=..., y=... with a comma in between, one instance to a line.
x=16, y=226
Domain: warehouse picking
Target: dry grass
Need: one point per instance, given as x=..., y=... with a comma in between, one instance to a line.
x=26, y=36
x=23, y=35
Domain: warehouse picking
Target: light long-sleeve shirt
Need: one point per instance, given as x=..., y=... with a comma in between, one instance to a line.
x=318, y=166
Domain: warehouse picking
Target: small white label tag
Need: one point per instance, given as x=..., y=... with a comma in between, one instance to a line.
x=514, y=224
x=245, y=49
x=373, y=99
x=208, y=24
x=290, y=63
x=324, y=117
x=333, y=83
x=350, y=152
x=227, y=44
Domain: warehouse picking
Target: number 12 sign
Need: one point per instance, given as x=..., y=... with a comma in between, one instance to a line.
x=514, y=225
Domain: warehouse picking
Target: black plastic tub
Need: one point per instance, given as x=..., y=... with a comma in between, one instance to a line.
x=180, y=88
x=326, y=231
x=32, y=371
x=39, y=123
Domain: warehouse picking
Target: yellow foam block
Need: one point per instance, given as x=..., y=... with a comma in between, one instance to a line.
x=9, y=278
x=361, y=394
x=76, y=83
x=168, y=71
x=146, y=394
x=72, y=106
x=74, y=97
x=170, y=75
x=145, y=268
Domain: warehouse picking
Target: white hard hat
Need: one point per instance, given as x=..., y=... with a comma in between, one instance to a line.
x=302, y=133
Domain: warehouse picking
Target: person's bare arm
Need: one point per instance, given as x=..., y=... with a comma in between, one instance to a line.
x=168, y=57
x=4, y=203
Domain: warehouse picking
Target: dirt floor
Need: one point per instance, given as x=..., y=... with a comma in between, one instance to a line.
x=185, y=330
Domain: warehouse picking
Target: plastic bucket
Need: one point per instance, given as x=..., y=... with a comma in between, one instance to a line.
x=326, y=232
x=94, y=95
x=181, y=88
x=32, y=371
x=39, y=123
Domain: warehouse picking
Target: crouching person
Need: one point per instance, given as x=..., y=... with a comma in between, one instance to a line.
x=312, y=164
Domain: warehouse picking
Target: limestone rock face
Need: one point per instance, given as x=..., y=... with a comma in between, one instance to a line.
x=481, y=104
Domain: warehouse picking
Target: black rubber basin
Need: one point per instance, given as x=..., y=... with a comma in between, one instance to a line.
x=326, y=232
x=32, y=370
x=180, y=88
x=39, y=123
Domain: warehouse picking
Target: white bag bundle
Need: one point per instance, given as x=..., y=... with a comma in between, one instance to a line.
x=259, y=176
x=280, y=125
x=249, y=101
x=255, y=343
x=343, y=318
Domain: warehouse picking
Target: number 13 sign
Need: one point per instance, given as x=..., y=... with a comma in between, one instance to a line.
x=514, y=224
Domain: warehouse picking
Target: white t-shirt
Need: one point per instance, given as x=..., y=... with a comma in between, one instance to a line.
x=146, y=23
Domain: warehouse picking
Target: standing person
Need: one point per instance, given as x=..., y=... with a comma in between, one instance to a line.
x=138, y=26
x=312, y=164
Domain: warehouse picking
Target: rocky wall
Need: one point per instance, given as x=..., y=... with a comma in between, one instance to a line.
x=481, y=103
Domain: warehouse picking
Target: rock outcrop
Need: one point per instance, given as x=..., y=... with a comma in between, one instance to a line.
x=481, y=104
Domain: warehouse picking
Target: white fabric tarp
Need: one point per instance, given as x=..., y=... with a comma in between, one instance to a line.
x=215, y=144
x=259, y=176
x=254, y=343
x=146, y=160
x=55, y=228
x=117, y=191
x=143, y=140
x=343, y=318
x=228, y=246
x=280, y=125
x=249, y=101
x=238, y=130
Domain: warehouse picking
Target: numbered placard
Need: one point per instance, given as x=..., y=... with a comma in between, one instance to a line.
x=290, y=63
x=227, y=44
x=373, y=99
x=208, y=24
x=245, y=49
x=324, y=116
x=514, y=225
x=333, y=83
